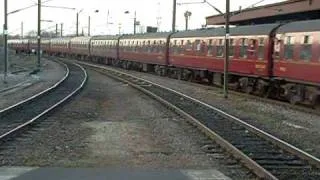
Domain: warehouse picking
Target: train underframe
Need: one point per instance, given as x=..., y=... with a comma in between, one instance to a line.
x=295, y=93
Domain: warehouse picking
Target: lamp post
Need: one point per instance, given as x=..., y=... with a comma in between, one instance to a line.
x=39, y=34
x=89, y=19
x=226, y=61
x=187, y=15
x=89, y=22
x=61, y=29
x=174, y=15
x=5, y=33
x=135, y=22
x=77, y=22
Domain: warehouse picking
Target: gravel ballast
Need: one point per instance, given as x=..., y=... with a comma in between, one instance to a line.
x=298, y=128
x=110, y=124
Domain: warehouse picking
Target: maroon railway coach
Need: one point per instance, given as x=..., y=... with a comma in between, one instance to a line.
x=60, y=46
x=200, y=54
x=80, y=47
x=104, y=49
x=297, y=61
x=147, y=52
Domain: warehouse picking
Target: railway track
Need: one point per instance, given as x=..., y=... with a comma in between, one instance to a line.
x=24, y=114
x=265, y=155
x=298, y=107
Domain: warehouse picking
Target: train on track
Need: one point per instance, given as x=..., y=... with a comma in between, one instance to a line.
x=272, y=60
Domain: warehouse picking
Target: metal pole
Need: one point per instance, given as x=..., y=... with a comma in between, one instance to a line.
x=57, y=30
x=5, y=32
x=226, y=62
x=174, y=16
x=134, y=22
x=77, y=24
x=89, y=25
x=22, y=30
x=39, y=33
x=61, y=29
x=186, y=22
x=186, y=16
x=108, y=22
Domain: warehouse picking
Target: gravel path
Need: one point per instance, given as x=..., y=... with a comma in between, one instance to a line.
x=298, y=128
x=109, y=124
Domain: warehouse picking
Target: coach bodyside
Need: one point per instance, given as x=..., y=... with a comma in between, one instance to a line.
x=104, y=48
x=147, y=51
x=297, y=61
x=80, y=47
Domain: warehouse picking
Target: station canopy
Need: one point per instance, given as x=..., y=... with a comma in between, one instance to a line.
x=286, y=11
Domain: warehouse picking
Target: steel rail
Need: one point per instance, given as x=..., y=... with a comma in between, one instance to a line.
x=20, y=103
x=251, y=164
x=50, y=108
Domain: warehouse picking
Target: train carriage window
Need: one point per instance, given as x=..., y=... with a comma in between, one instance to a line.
x=210, y=48
x=181, y=47
x=306, y=49
x=276, y=48
x=288, y=47
x=220, y=48
x=261, y=49
x=188, y=46
x=243, y=48
x=252, y=48
x=149, y=48
x=175, y=47
x=197, y=46
x=231, y=47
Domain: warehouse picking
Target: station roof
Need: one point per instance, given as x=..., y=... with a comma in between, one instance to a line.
x=290, y=10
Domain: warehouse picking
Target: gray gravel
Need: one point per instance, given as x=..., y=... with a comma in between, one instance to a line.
x=110, y=124
x=298, y=128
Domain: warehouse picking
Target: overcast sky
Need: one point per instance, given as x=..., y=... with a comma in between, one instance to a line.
x=147, y=13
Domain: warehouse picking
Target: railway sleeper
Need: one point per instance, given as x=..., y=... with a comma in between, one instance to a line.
x=286, y=168
x=303, y=176
x=265, y=151
x=272, y=157
x=281, y=162
x=257, y=144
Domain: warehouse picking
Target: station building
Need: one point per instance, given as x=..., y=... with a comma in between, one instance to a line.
x=290, y=10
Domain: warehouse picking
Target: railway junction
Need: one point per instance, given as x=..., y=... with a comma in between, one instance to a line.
x=83, y=114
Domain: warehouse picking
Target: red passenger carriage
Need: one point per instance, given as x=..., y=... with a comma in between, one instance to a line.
x=80, y=47
x=200, y=54
x=297, y=61
x=104, y=48
x=60, y=46
x=146, y=52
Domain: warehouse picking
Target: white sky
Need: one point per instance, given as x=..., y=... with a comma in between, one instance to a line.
x=147, y=13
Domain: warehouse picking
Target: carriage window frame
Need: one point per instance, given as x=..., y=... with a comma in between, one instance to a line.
x=243, y=48
x=210, y=47
x=232, y=43
x=289, y=42
x=220, y=45
x=306, y=46
x=261, y=46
